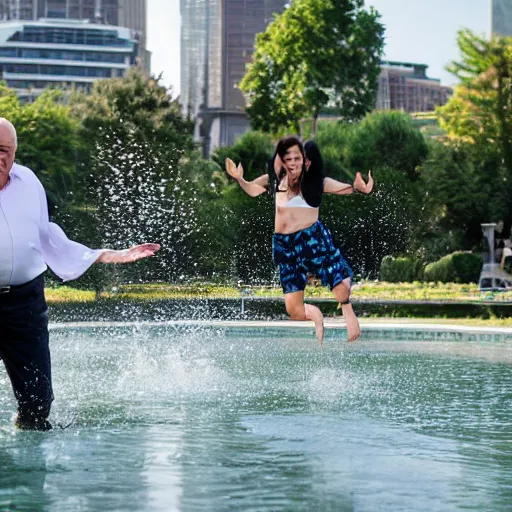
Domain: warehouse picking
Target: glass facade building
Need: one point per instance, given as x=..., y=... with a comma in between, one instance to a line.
x=501, y=17
x=217, y=41
x=46, y=53
x=124, y=13
x=106, y=11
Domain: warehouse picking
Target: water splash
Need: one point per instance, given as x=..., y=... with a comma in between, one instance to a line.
x=138, y=198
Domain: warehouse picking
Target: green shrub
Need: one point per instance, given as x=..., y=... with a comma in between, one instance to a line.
x=440, y=271
x=401, y=269
x=467, y=267
x=458, y=267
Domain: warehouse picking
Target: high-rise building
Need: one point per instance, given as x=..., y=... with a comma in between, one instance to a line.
x=217, y=41
x=134, y=14
x=35, y=55
x=501, y=17
x=406, y=86
x=125, y=13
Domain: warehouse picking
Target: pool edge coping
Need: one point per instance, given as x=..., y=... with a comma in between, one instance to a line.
x=289, y=324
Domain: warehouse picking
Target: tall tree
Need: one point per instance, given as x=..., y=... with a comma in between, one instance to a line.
x=136, y=104
x=317, y=52
x=480, y=112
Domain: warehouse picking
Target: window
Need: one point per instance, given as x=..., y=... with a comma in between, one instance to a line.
x=30, y=53
x=42, y=69
x=8, y=52
x=64, y=35
x=486, y=283
x=500, y=284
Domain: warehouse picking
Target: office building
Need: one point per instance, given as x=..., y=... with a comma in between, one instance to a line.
x=405, y=86
x=125, y=13
x=134, y=14
x=217, y=41
x=501, y=17
x=58, y=52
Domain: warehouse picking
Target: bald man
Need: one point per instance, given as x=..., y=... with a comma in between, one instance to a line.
x=29, y=243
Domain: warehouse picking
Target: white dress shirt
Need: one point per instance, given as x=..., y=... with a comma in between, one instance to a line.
x=29, y=241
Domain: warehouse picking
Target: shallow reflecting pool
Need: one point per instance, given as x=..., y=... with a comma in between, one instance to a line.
x=166, y=419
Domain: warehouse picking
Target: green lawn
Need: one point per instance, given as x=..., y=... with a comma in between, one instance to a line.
x=363, y=291
x=381, y=292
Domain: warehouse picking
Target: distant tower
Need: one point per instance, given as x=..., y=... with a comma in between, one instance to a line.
x=217, y=41
x=501, y=17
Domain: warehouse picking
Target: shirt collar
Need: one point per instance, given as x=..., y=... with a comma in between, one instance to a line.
x=14, y=172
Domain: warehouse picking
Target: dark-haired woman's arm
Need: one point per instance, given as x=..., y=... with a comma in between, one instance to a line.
x=253, y=188
x=337, y=187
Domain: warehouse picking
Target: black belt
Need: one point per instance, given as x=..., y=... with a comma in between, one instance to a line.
x=12, y=288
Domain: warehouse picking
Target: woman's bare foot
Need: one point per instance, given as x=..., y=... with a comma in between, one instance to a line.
x=353, y=329
x=313, y=313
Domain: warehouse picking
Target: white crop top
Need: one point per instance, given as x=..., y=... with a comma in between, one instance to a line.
x=297, y=202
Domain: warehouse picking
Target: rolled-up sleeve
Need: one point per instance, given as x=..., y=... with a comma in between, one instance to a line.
x=68, y=259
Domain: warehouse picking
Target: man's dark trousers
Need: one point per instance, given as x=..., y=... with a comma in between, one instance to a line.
x=24, y=348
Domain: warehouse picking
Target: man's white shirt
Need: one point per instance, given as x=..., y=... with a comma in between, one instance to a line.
x=29, y=242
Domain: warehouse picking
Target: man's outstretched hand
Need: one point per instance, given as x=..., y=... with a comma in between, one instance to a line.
x=361, y=186
x=135, y=253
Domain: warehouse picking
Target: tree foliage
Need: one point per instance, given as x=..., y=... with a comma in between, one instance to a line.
x=127, y=154
x=47, y=139
x=387, y=139
x=136, y=170
x=316, y=52
x=460, y=194
x=252, y=150
x=480, y=112
x=389, y=220
x=138, y=105
x=367, y=227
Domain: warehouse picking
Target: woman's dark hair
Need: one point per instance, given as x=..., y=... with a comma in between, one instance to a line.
x=288, y=142
x=312, y=153
x=312, y=184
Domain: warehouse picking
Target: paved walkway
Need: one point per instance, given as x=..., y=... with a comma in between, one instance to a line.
x=330, y=323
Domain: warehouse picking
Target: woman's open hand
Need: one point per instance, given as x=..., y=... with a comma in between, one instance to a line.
x=235, y=171
x=360, y=185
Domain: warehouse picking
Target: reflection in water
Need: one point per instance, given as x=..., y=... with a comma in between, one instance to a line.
x=354, y=455
x=166, y=420
x=23, y=473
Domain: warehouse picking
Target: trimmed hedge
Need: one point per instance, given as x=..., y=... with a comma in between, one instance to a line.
x=401, y=269
x=458, y=267
x=118, y=310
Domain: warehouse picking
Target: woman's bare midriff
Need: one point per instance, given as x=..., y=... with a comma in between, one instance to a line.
x=290, y=220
